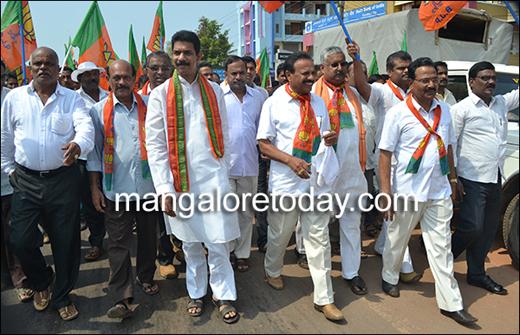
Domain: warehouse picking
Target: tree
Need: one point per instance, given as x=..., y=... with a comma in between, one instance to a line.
x=214, y=44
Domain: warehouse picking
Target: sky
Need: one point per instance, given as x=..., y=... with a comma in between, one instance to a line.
x=55, y=21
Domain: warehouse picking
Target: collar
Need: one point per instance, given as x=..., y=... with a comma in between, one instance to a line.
x=59, y=88
x=227, y=90
x=134, y=103
x=400, y=89
x=476, y=99
x=102, y=93
x=421, y=109
x=185, y=82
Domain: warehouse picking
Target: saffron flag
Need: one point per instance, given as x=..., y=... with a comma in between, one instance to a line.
x=436, y=14
x=143, y=55
x=17, y=13
x=156, y=42
x=403, y=45
x=133, y=57
x=374, y=69
x=70, y=56
x=262, y=68
x=271, y=6
x=19, y=75
x=94, y=43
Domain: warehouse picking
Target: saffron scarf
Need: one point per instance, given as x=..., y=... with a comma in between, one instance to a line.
x=322, y=91
x=177, y=131
x=144, y=91
x=339, y=112
x=394, y=89
x=308, y=137
x=415, y=161
x=108, y=121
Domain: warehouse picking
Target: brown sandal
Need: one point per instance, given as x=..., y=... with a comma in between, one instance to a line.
x=242, y=265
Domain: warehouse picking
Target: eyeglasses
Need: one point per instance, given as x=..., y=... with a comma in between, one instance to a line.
x=488, y=78
x=426, y=81
x=336, y=64
x=163, y=68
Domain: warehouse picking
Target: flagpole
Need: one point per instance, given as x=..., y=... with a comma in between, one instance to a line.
x=342, y=25
x=23, y=54
x=65, y=60
x=512, y=11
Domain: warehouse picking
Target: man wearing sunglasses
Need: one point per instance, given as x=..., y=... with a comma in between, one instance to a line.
x=480, y=123
x=158, y=69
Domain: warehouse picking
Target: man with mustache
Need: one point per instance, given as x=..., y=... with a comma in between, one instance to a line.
x=346, y=115
x=243, y=105
x=480, y=123
x=119, y=173
x=45, y=128
x=189, y=154
x=250, y=76
x=158, y=69
x=443, y=94
x=291, y=128
x=382, y=98
x=87, y=75
x=419, y=133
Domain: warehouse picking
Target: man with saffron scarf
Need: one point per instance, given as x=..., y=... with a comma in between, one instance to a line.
x=419, y=132
x=346, y=119
x=290, y=131
x=188, y=146
x=120, y=158
x=158, y=69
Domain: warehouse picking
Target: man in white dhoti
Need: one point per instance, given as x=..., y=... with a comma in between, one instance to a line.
x=188, y=151
x=289, y=133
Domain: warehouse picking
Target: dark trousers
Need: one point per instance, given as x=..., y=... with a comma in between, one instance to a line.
x=119, y=228
x=165, y=243
x=480, y=213
x=56, y=200
x=261, y=217
x=11, y=260
x=95, y=219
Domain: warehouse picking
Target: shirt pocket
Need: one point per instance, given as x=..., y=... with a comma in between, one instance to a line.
x=61, y=123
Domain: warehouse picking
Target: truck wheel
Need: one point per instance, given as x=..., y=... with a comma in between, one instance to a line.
x=510, y=230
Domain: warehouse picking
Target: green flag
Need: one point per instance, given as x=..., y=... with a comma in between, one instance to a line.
x=143, y=55
x=403, y=45
x=262, y=68
x=374, y=69
x=69, y=61
x=133, y=56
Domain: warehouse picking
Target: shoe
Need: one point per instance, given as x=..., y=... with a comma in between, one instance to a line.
x=94, y=253
x=276, y=283
x=331, y=312
x=82, y=224
x=390, y=289
x=168, y=271
x=409, y=277
x=490, y=285
x=461, y=316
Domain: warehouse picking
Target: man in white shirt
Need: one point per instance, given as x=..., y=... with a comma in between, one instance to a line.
x=120, y=181
x=189, y=154
x=480, y=123
x=87, y=75
x=158, y=69
x=250, y=75
x=443, y=94
x=291, y=124
x=382, y=98
x=243, y=105
x=346, y=115
x=419, y=132
x=45, y=128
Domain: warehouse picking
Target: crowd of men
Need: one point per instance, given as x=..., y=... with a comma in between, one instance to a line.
x=323, y=129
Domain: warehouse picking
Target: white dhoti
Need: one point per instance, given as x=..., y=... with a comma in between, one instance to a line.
x=434, y=217
x=244, y=186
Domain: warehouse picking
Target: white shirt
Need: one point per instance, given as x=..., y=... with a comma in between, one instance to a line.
x=127, y=176
x=32, y=134
x=206, y=173
x=279, y=121
x=91, y=102
x=369, y=121
x=448, y=97
x=6, y=187
x=481, y=132
x=402, y=134
x=243, y=124
x=263, y=92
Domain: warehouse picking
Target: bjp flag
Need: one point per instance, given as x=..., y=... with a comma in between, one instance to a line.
x=133, y=57
x=156, y=42
x=17, y=14
x=271, y=6
x=436, y=14
x=94, y=43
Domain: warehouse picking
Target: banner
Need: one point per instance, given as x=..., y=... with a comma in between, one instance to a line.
x=436, y=14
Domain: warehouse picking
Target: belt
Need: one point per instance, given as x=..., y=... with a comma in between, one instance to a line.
x=43, y=174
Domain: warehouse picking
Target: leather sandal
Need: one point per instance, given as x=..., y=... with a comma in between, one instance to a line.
x=242, y=265
x=358, y=282
x=195, y=303
x=94, y=253
x=64, y=314
x=147, y=287
x=226, y=310
x=45, y=301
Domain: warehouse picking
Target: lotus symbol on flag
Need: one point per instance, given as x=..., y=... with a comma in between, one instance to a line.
x=303, y=135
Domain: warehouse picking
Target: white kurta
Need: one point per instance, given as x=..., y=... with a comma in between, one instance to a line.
x=206, y=173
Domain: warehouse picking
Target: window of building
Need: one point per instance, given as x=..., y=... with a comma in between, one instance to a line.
x=321, y=9
x=277, y=28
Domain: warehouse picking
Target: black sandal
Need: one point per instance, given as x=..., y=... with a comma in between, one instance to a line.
x=120, y=311
x=193, y=303
x=358, y=282
x=225, y=310
x=147, y=289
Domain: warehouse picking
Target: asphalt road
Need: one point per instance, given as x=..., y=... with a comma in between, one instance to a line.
x=265, y=310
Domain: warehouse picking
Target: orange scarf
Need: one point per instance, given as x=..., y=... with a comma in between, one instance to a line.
x=144, y=91
x=177, y=132
x=322, y=90
x=394, y=89
x=108, y=121
x=308, y=136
